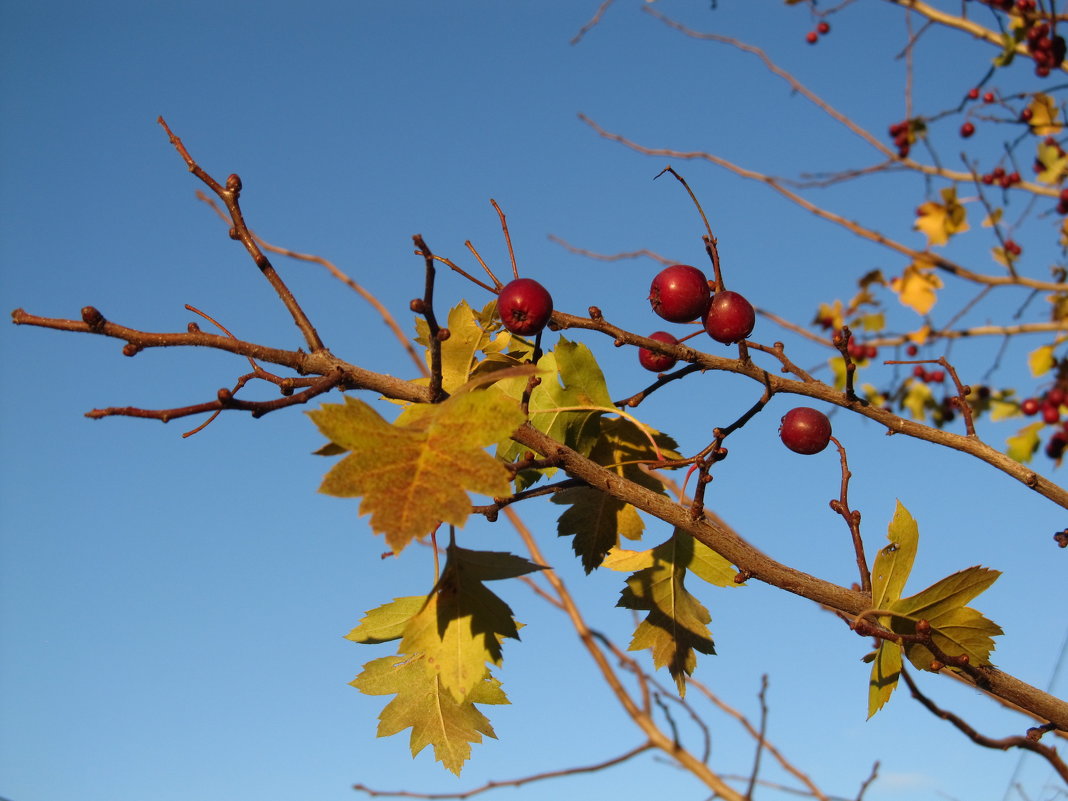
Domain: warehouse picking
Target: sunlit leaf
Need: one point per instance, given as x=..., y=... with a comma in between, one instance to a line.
x=387, y=622
x=1024, y=443
x=433, y=714
x=413, y=477
x=917, y=288
x=1054, y=163
x=1041, y=360
x=940, y=221
x=1044, y=113
x=894, y=562
x=885, y=672
x=918, y=399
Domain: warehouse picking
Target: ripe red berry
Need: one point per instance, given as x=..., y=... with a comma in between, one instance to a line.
x=812, y=37
x=805, y=430
x=1030, y=406
x=973, y=94
x=1051, y=414
x=730, y=318
x=824, y=28
x=912, y=350
x=967, y=129
x=525, y=306
x=936, y=376
x=1056, y=396
x=680, y=293
x=658, y=362
x=988, y=97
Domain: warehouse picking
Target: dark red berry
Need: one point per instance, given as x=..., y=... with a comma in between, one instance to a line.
x=812, y=37
x=525, y=306
x=912, y=350
x=967, y=129
x=1055, y=396
x=680, y=293
x=936, y=376
x=973, y=94
x=805, y=430
x=730, y=318
x=1055, y=446
x=1050, y=414
x=1030, y=406
x=824, y=28
x=988, y=97
x=658, y=362
x=919, y=372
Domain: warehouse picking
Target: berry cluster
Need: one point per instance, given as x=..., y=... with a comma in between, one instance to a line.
x=1062, y=202
x=1046, y=48
x=903, y=136
x=928, y=376
x=822, y=29
x=680, y=294
x=858, y=350
x=1049, y=405
x=1000, y=177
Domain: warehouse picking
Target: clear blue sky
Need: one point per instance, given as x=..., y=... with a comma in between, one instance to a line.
x=172, y=611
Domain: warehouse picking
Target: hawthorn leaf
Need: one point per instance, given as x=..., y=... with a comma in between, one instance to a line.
x=917, y=288
x=459, y=353
x=1024, y=443
x=387, y=622
x=1054, y=163
x=1041, y=360
x=677, y=624
x=885, y=672
x=1044, y=113
x=571, y=378
x=435, y=717
x=462, y=623
x=940, y=221
x=894, y=562
x=596, y=519
x=918, y=398
x=414, y=476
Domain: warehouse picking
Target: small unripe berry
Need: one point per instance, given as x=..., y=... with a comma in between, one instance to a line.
x=805, y=430
x=730, y=318
x=658, y=362
x=679, y=293
x=524, y=306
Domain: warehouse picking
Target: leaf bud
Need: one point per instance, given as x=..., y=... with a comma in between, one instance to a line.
x=233, y=182
x=443, y=334
x=130, y=349
x=193, y=328
x=224, y=395
x=936, y=665
x=595, y=313
x=417, y=305
x=923, y=627
x=92, y=317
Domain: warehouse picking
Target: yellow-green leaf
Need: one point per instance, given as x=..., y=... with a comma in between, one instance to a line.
x=387, y=622
x=413, y=477
x=885, y=672
x=894, y=562
x=1024, y=443
x=1041, y=360
x=1054, y=163
x=1044, y=113
x=918, y=398
x=435, y=717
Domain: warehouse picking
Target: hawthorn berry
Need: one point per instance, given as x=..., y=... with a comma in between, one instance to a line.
x=525, y=306
x=730, y=318
x=967, y=129
x=680, y=293
x=658, y=362
x=824, y=28
x=1030, y=406
x=812, y=37
x=973, y=93
x=805, y=430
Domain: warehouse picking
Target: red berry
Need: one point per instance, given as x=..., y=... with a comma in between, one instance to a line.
x=730, y=318
x=805, y=430
x=1055, y=396
x=936, y=376
x=812, y=37
x=1030, y=406
x=824, y=28
x=658, y=362
x=967, y=129
x=680, y=293
x=988, y=97
x=912, y=350
x=525, y=306
x=973, y=94
x=919, y=372
x=1050, y=414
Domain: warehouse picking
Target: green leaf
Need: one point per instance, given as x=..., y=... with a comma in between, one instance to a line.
x=677, y=624
x=435, y=717
x=570, y=377
x=1024, y=443
x=387, y=622
x=462, y=624
x=596, y=519
x=414, y=476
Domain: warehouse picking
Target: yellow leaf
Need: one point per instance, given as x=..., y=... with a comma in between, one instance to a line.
x=1024, y=443
x=918, y=399
x=414, y=476
x=1054, y=163
x=1041, y=360
x=940, y=221
x=838, y=368
x=830, y=316
x=917, y=288
x=873, y=322
x=1044, y=115
x=993, y=218
x=919, y=336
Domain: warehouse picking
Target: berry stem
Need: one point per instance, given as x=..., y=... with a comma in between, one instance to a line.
x=852, y=519
x=437, y=394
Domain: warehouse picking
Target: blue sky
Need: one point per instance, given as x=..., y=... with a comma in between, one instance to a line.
x=172, y=610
